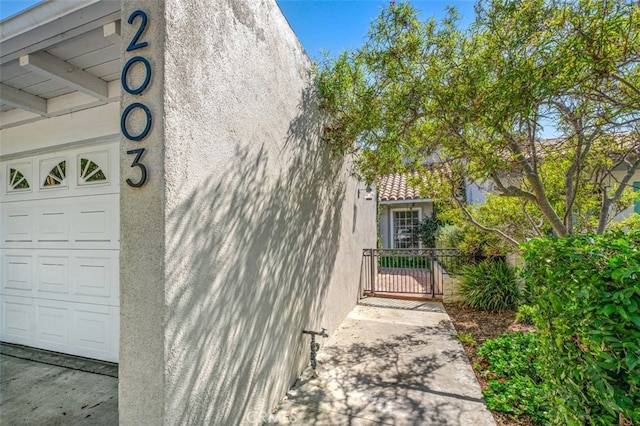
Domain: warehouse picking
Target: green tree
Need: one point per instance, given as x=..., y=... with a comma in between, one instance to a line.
x=470, y=106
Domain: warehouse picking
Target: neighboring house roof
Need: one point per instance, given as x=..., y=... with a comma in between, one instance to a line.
x=394, y=188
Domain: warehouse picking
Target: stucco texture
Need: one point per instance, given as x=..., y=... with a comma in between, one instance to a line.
x=263, y=227
x=142, y=234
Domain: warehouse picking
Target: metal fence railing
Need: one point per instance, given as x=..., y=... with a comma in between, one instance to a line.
x=409, y=272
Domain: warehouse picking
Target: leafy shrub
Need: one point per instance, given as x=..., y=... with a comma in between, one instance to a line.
x=474, y=245
x=479, y=244
x=515, y=383
x=588, y=296
x=427, y=231
x=525, y=314
x=448, y=236
x=490, y=286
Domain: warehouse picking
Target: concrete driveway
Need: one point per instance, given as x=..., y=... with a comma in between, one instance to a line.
x=390, y=362
x=43, y=388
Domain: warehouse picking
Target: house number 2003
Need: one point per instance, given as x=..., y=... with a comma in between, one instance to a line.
x=136, y=44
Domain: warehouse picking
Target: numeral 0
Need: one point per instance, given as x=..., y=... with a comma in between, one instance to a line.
x=123, y=122
x=125, y=70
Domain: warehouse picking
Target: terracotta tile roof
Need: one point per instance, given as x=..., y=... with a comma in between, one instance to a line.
x=394, y=187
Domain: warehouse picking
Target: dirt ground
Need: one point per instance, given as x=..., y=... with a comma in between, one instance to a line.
x=482, y=326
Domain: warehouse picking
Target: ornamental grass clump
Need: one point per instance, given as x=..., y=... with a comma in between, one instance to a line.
x=491, y=285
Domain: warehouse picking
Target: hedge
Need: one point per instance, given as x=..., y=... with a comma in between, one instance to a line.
x=587, y=290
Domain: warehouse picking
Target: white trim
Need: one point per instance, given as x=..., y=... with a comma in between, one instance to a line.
x=61, y=147
x=39, y=14
x=408, y=201
x=392, y=218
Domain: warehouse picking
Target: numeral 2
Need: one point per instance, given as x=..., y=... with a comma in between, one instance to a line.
x=143, y=24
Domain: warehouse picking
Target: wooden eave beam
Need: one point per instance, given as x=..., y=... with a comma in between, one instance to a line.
x=39, y=33
x=64, y=73
x=23, y=100
x=111, y=32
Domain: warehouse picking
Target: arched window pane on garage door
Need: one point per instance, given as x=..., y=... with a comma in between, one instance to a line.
x=56, y=175
x=17, y=180
x=91, y=172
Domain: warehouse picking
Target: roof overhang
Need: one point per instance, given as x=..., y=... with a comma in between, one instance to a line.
x=57, y=58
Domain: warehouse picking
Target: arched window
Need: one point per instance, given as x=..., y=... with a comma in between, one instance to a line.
x=90, y=172
x=56, y=175
x=17, y=181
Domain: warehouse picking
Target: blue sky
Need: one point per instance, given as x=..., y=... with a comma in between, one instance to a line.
x=322, y=25
x=336, y=25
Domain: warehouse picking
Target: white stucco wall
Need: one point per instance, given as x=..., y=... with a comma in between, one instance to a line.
x=263, y=230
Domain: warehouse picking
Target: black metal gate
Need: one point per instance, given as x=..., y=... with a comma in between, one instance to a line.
x=407, y=272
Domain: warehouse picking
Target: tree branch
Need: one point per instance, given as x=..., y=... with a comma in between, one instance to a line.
x=472, y=220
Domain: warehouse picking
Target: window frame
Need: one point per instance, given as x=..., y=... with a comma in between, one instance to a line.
x=393, y=223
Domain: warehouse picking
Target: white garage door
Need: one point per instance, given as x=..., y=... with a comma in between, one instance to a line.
x=59, y=245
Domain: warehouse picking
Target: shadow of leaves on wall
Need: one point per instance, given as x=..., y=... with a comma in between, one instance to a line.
x=252, y=252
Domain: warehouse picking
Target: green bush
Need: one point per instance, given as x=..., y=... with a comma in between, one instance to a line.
x=515, y=383
x=448, y=236
x=403, y=262
x=490, y=286
x=588, y=298
x=526, y=314
x=427, y=231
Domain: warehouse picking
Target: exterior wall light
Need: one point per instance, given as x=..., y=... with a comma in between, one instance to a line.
x=368, y=193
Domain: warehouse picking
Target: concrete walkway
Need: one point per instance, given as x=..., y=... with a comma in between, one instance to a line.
x=390, y=362
x=45, y=388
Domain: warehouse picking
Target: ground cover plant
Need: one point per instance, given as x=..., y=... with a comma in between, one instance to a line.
x=475, y=327
x=514, y=375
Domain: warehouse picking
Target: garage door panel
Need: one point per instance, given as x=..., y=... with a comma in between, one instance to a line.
x=93, y=331
x=93, y=276
x=17, y=320
x=53, y=275
x=53, y=223
x=96, y=223
x=17, y=225
x=91, y=222
x=17, y=276
x=53, y=321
